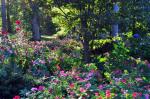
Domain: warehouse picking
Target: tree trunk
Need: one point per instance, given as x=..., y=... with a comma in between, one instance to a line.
x=115, y=30
x=85, y=42
x=36, y=36
x=8, y=17
x=3, y=12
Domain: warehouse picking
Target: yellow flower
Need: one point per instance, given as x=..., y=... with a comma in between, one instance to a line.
x=127, y=95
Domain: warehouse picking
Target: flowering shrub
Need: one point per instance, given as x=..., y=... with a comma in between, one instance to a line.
x=85, y=85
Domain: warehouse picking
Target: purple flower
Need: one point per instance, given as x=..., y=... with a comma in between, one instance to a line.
x=100, y=87
x=146, y=96
x=148, y=65
x=42, y=61
x=89, y=74
x=34, y=89
x=41, y=88
x=136, y=36
x=88, y=85
x=117, y=72
x=116, y=8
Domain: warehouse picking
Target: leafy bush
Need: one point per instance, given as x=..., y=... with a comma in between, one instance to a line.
x=11, y=76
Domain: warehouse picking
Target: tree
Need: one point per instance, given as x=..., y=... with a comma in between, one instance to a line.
x=92, y=16
x=3, y=12
x=36, y=36
x=8, y=17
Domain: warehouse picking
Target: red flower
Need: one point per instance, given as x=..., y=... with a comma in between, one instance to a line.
x=4, y=32
x=16, y=97
x=58, y=67
x=124, y=81
x=18, y=22
x=134, y=95
x=71, y=85
x=18, y=29
x=100, y=97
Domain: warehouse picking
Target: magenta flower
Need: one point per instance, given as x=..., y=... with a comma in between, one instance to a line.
x=41, y=88
x=100, y=87
x=16, y=97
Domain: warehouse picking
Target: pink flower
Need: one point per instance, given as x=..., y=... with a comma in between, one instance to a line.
x=82, y=89
x=18, y=22
x=42, y=61
x=57, y=97
x=56, y=81
x=96, y=94
x=16, y=97
x=108, y=94
x=41, y=88
x=63, y=74
x=72, y=93
x=34, y=89
x=138, y=79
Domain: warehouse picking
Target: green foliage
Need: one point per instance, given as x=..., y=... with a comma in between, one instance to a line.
x=140, y=47
x=118, y=57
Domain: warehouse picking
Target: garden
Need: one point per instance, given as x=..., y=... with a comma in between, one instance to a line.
x=75, y=49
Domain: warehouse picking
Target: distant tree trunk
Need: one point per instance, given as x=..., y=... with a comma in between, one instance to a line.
x=85, y=42
x=8, y=17
x=48, y=25
x=115, y=30
x=3, y=13
x=36, y=36
x=115, y=23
